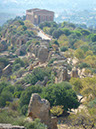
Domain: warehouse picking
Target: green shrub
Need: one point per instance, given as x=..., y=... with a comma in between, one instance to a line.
x=35, y=125
x=84, y=65
x=92, y=103
x=16, y=67
x=61, y=94
x=38, y=74
x=57, y=110
x=19, y=61
x=63, y=49
x=5, y=96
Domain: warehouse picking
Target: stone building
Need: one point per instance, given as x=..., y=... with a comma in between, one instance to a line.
x=37, y=16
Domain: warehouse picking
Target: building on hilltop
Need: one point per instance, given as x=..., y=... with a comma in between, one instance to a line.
x=37, y=16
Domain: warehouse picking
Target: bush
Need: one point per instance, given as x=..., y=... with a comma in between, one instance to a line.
x=35, y=125
x=92, y=103
x=5, y=96
x=57, y=33
x=3, y=62
x=37, y=74
x=3, y=84
x=19, y=61
x=61, y=94
x=77, y=84
x=84, y=65
x=16, y=67
x=63, y=49
x=57, y=110
x=93, y=38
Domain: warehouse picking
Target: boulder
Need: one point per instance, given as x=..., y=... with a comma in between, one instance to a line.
x=62, y=75
x=43, y=54
x=40, y=108
x=9, y=126
x=74, y=73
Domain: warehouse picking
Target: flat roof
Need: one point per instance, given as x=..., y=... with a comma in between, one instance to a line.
x=37, y=9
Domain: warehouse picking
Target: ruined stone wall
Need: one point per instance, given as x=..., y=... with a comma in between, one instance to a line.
x=29, y=17
x=9, y=126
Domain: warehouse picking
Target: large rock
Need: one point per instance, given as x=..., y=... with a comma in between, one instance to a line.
x=9, y=126
x=74, y=73
x=40, y=108
x=62, y=75
x=43, y=54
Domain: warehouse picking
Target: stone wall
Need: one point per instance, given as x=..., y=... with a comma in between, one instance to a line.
x=37, y=16
x=9, y=126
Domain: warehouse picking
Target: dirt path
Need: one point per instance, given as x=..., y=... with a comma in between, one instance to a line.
x=44, y=36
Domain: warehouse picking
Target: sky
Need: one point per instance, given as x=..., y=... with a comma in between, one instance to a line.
x=19, y=6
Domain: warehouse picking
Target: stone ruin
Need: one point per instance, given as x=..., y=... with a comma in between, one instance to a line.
x=40, y=108
x=74, y=73
x=62, y=75
x=9, y=126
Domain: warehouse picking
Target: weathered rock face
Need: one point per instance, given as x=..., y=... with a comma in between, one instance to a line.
x=9, y=126
x=40, y=108
x=43, y=54
x=62, y=75
x=74, y=73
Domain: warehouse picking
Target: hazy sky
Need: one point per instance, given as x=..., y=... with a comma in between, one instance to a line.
x=15, y=6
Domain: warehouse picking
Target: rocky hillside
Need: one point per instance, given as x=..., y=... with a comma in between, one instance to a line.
x=57, y=61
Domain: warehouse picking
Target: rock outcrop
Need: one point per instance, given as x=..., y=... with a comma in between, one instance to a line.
x=43, y=54
x=74, y=73
x=9, y=126
x=62, y=75
x=40, y=108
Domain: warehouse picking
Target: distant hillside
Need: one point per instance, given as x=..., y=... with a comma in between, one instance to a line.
x=6, y=16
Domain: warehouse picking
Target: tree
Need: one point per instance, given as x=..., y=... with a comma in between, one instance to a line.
x=5, y=96
x=57, y=33
x=37, y=74
x=66, y=31
x=61, y=94
x=85, y=32
x=93, y=38
x=79, y=53
x=77, y=84
x=63, y=40
x=89, y=87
